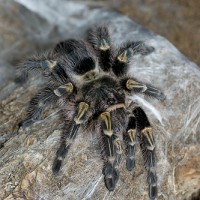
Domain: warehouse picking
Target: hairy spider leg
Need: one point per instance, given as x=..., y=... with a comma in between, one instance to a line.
x=57, y=75
x=130, y=139
x=69, y=46
x=76, y=55
x=40, y=63
x=36, y=106
x=99, y=38
x=72, y=56
x=42, y=99
x=69, y=134
x=50, y=69
x=125, y=54
x=112, y=151
x=133, y=85
x=147, y=145
x=50, y=63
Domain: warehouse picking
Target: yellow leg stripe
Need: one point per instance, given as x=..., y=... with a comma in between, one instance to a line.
x=123, y=57
x=105, y=116
x=104, y=45
x=132, y=135
x=149, y=135
x=118, y=145
x=131, y=84
x=82, y=108
x=51, y=64
x=67, y=87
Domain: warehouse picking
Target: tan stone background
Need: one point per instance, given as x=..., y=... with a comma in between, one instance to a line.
x=26, y=156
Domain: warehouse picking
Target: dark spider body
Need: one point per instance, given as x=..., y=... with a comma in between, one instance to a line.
x=91, y=84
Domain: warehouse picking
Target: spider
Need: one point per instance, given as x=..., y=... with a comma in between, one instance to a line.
x=89, y=78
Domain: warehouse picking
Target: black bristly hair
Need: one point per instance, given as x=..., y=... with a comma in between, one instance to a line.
x=99, y=38
x=90, y=81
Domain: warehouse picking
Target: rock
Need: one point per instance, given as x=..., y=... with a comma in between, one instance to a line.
x=26, y=156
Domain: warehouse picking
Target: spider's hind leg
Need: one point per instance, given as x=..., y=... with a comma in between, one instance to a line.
x=130, y=139
x=126, y=52
x=147, y=144
x=112, y=150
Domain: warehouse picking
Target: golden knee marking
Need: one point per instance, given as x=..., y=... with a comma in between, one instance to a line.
x=105, y=116
x=118, y=145
x=82, y=109
x=67, y=87
x=132, y=135
x=147, y=132
x=51, y=64
x=104, y=46
x=123, y=57
x=131, y=84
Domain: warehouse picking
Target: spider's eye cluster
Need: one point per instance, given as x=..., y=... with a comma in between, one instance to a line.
x=111, y=101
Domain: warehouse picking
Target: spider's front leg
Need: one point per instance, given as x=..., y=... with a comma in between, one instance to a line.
x=112, y=150
x=99, y=38
x=125, y=54
x=135, y=86
x=45, y=64
x=147, y=144
x=69, y=133
x=44, y=98
x=35, y=64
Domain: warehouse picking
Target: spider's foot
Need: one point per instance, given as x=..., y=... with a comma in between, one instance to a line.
x=147, y=50
x=152, y=180
x=60, y=155
x=20, y=81
x=26, y=123
x=153, y=192
x=56, y=166
x=130, y=164
x=111, y=177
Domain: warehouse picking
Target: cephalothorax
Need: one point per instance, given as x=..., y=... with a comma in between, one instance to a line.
x=90, y=81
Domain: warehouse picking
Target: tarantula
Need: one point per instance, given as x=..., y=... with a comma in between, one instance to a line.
x=90, y=81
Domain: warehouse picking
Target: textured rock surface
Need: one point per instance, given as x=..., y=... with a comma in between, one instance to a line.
x=26, y=156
